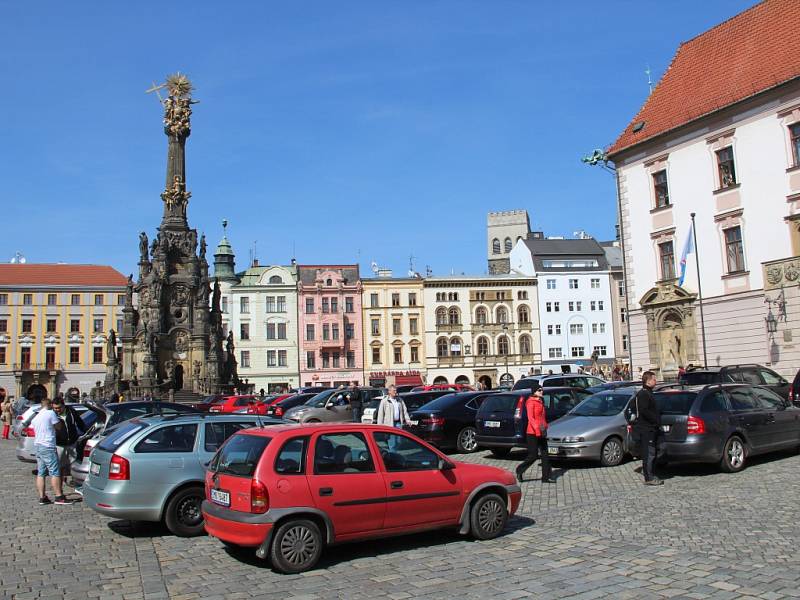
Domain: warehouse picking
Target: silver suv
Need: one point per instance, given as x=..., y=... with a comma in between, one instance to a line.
x=153, y=468
x=576, y=380
x=330, y=407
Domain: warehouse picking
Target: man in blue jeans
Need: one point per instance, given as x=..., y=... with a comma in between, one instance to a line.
x=44, y=426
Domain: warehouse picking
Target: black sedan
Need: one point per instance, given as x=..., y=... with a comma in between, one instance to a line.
x=449, y=421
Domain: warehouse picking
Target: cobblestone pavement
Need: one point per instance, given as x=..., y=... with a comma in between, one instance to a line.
x=595, y=533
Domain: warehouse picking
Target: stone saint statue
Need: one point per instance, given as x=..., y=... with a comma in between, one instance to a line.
x=111, y=345
x=216, y=296
x=203, y=246
x=229, y=343
x=143, y=247
x=152, y=343
x=129, y=291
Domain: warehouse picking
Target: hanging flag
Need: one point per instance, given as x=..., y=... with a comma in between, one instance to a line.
x=688, y=248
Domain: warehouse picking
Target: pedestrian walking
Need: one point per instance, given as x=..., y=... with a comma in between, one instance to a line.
x=45, y=425
x=392, y=410
x=536, y=436
x=354, y=397
x=646, y=427
x=6, y=413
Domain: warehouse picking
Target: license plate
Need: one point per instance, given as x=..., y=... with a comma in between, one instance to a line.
x=491, y=423
x=414, y=423
x=94, y=469
x=666, y=428
x=221, y=497
x=552, y=450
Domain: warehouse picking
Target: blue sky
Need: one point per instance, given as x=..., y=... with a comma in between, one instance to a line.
x=350, y=130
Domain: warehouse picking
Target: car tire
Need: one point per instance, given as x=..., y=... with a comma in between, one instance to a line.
x=296, y=546
x=488, y=517
x=734, y=455
x=500, y=452
x=183, y=516
x=466, y=442
x=612, y=453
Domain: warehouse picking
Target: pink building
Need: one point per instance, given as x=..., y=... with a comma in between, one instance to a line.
x=330, y=332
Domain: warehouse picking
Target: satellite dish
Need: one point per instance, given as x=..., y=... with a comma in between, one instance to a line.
x=18, y=258
x=374, y=266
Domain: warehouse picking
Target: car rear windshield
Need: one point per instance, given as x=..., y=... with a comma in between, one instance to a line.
x=500, y=403
x=601, y=405
x=441, y=402
x=526, y=384
x=114, y=439
x=675, y=403
x=699, y=377
x=240, y=455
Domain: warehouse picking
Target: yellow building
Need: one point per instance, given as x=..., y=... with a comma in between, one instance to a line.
x=54, y=323
x=394, y=331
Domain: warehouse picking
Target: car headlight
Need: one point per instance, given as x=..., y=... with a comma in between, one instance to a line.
x=572, y=439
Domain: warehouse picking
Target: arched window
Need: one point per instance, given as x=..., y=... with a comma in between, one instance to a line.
x=462, y=379
x=483, y=346
x=480, y=316
x=441, y=347
x=439, y=296
x=455, y=346
x=329, y=282
x=495, y=246
x=502, y=345
x=502, y=315
x=440, y=380
x=525, y=344
x=454, y=316
x=508, y=245
x=275, y=279
x=441, y=316
x=524, y=314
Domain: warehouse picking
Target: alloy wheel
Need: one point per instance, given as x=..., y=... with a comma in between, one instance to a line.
x=736, y=453
x=490, y=516
x=298, y=545
x=612, y=453
x=468, y=439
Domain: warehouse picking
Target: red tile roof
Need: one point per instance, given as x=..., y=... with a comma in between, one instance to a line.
x=60, y=275
x=750, y=53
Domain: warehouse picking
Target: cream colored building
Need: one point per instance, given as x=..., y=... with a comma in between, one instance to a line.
x=394, y=330
x=477, y=329
x=54, y=325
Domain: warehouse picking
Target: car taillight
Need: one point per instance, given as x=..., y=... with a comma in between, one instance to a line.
x=278, y=411
x=518, y=410
x=259, y=498
x=87, y=450
x=433, y=421
x=695, y=425
x=791, y=394
x=119, y=469
x=29, y=432
x=19, y=417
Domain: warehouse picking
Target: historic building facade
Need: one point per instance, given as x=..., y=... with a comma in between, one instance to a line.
x=730, y=156
x=55, y=323
x=619, y=312
x=481, y=329
x=394, y=330
x=503, y=230
x=330, y=328
x=576, y=316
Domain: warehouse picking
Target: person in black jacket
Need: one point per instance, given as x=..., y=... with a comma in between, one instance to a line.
x=68, y=436
x=646, y=426
x=354, y=397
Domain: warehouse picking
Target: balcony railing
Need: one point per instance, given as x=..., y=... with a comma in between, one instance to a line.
x=37, y=366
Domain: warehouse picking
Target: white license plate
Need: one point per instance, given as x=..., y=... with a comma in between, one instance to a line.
x=414, y=423
x=491, y=423
x=666, y=428
x=94, y=469
x=552, y=450
x=220, y=497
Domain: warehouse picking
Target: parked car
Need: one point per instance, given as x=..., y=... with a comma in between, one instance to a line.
x=27, y=410
x=595, y=429
x=794, y=389
x=613, y=385
x=726, y=424
x=749, y=374
x=289, y=491
x=311, y=389
x=25, y=450
x=448, y=422
x=229, y=404
x=329, y=407
x=452, y=387
x=280, y=408
x=502, y=420
x=153, y=468
x=413, y=401
x=262, y=404
x=578, y=380
x=205, y=404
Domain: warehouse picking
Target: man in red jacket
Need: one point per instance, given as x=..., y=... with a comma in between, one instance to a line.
x=536, y=436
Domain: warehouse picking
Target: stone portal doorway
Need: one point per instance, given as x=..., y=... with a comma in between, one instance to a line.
x=671, y=328
x=485, y=381
x=178, y=377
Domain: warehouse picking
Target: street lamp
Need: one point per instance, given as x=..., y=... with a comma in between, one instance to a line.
x=772, y=323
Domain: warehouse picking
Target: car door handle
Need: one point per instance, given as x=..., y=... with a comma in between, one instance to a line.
x=396, y=485
x=326, y=491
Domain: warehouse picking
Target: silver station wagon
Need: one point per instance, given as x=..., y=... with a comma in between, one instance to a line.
x=153, y=468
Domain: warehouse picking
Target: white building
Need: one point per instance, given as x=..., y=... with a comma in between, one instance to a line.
x=574, y=297
x=728, y=151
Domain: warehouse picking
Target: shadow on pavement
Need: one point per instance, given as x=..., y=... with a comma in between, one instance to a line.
x=671, y=470
x=138, y=529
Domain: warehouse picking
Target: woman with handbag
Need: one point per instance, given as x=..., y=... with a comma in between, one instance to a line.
x=536, y=436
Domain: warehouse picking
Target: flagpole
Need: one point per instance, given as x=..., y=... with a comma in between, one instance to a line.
x=699, y=293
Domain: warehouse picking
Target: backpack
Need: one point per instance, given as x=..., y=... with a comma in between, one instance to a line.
x=632, y=410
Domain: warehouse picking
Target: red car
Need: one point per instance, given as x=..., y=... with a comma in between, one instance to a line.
x=291, y=490
x=456, y=387
x=261, y=406
x=229, y=404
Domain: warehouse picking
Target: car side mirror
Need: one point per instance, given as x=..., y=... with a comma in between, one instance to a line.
x=446, y=465
x=329, y=406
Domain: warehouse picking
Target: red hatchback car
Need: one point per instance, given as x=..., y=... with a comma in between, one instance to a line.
x=229, y=404
x=291, y=490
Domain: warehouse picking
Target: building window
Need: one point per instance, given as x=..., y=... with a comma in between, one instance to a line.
x=661, y=189
x=272, y=361
x=336, y=360
x=455, y=346
x=74, y=354
x=573, y=284
x=224, y=305
x=595, y=284
x=508, y=245
x=483, y=346
x=97, y=325
x=244, y=305
x=576, y=328
x=396, y=330
x=334, y=331
x=51, y=325
x=3, y=325
x=622, y=315
x=571, y=306
x=441, y=316
x=495, y=246
x=666, y=253
x=309, y=306
x=270, y=304
x=27, y=325
x=625, y=342
x=398, y=355
x=270, y=331
x=522, y=295
x=598, y=327
x=334, y=305
x=376, y=355
x=414, y=354
x=548, y=306
x=441, y=347
x=98, y=299
x=27, y=299
x=593, y=305
x=373, y=300
x=310, y=362
x=74, y=325
x=734, y=250
x=577, y=352
x=502, y=315
x=601, y=350
x=551, y=284
x=501, y=295
x=412, y=326
x=554, y=353
x=502, y=345
x=275, y=279
x=726, y=168
x=525, y=345
x=556, y=306
x=119, y=325
x=480, y=316
x=412, y=299
x=310, y=332
x=452, y=296
x=245, y=359
x=2, y=355
x=244, y=331
x=395, y=299
x=621, y=287
x=794, y=135
x=75, y=299
x=349, y=331
x=375, y=324
x=3, y=299
x=554, y=330
x=325, y=305
x=97, y=354
x=281, y=331
x=480, y=296
x=523, y=314
x=120, y=300
x=599, y=305
x=326, y=331
x=351, y=359
x=329, y=282
x=52, y=299
x=282, y=360
x=25, y=357
x=453, y=316
x=348, y=304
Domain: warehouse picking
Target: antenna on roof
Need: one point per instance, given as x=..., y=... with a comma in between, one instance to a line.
x=411, y=272
x=18, y=258
x=649, y=80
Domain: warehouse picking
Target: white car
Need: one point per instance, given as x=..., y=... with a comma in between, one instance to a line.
x=369, y=411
